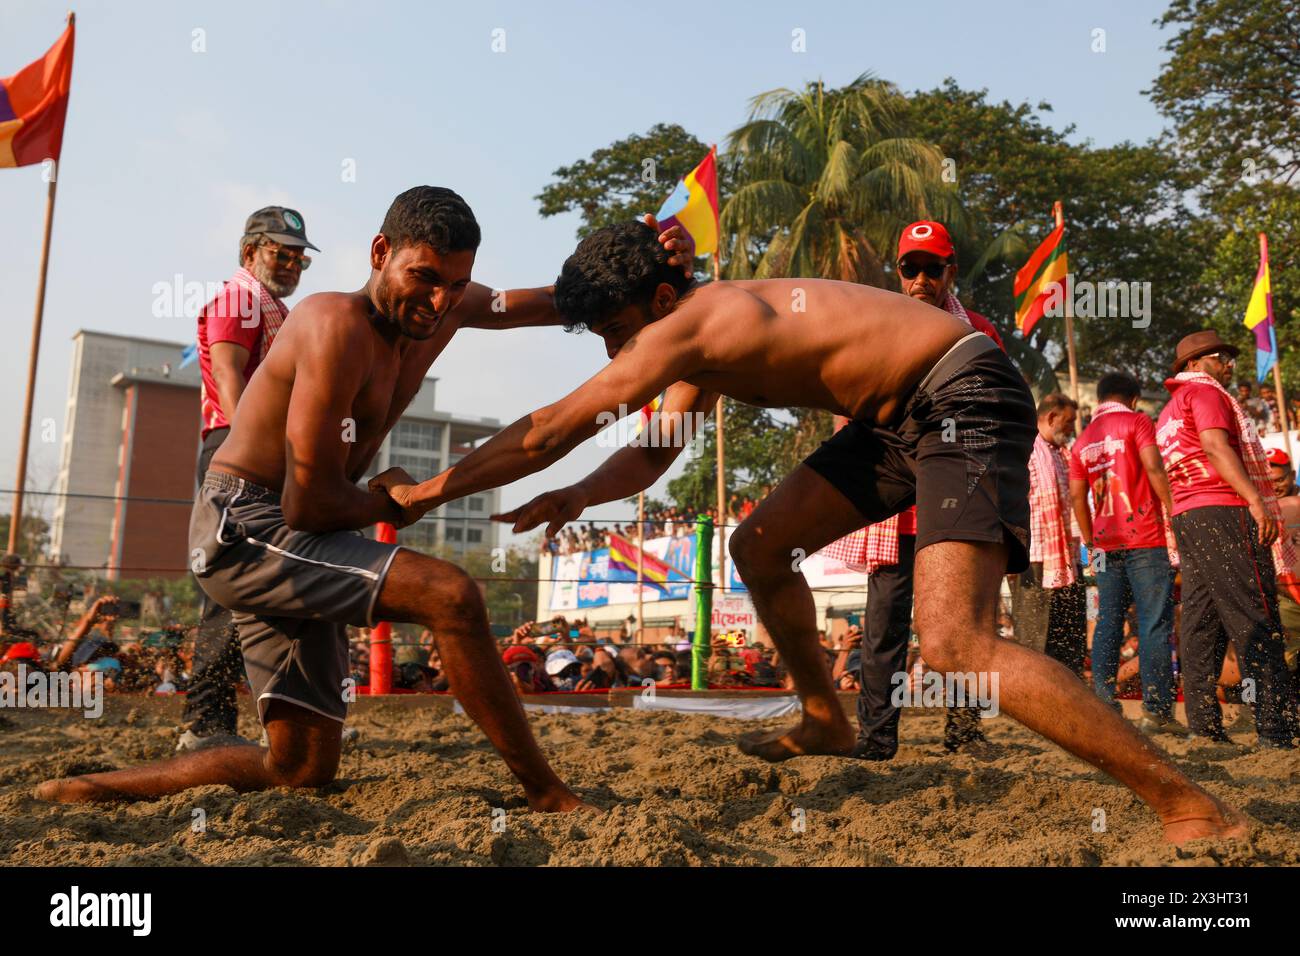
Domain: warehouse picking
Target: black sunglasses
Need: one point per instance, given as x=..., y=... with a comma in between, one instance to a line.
x=932, y=270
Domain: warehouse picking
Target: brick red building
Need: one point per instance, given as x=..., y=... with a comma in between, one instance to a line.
x=131, y=442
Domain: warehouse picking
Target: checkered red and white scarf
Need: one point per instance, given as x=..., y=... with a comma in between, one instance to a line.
x=1049, y=498
x=256, y=303
x=1255, y=462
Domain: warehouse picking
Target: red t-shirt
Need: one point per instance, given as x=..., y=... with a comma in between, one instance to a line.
x=1193, y=481
x=227, y=318
x=981, y=324
x=1105, y=456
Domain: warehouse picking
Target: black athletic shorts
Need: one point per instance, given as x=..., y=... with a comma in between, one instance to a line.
x=960, y=454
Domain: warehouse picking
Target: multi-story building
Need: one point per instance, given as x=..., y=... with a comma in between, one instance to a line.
x=130, y=442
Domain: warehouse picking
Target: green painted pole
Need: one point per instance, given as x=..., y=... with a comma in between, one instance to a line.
x=701, y=646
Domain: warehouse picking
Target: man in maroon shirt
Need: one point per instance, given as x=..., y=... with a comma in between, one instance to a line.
x=927, y=270
x=235, y=331
x=1117, y=460
x=1225, y=523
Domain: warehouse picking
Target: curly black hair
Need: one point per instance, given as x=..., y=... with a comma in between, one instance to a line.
x=433, y=215
x=612, y=268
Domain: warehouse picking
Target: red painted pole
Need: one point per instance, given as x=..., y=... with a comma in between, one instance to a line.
x=381, y=635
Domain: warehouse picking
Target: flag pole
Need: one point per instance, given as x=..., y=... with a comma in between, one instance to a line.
x=1277, y=358
x=1059, y=214
x=24, y=438
x=640, y=564
x=722, y=468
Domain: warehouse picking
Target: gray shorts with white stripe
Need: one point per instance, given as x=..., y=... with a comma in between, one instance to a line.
x=291, y=592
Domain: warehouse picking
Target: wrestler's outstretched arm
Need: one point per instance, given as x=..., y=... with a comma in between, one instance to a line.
x=485, y=308
x=661, y=354
x=625, y=473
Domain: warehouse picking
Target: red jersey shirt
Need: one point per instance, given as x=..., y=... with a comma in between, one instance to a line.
x=1193, y=481
x=236, y=315
x=1106, y=457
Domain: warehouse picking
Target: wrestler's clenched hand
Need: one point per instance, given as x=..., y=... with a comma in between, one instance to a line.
x=556, y=508
x=400, y=487
x=676, y=240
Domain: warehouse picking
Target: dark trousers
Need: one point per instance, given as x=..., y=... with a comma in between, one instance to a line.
x=210, y=706
x=884, y=651
x=1230, y=592
x=884, y=646
x=1051, y=620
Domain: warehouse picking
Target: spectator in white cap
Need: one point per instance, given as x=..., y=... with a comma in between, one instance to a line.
x=564, y=669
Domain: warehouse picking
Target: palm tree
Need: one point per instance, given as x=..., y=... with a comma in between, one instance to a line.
x=825, y=181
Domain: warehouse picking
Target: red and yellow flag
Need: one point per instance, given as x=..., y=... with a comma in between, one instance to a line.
x=694, y=205
x=1038, y=278
x=34, y=104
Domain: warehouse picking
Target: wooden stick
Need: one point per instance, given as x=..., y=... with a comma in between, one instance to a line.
x=15, y=520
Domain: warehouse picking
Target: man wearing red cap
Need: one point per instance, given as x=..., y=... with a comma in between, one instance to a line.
x=1226, y=517
x=927, y=270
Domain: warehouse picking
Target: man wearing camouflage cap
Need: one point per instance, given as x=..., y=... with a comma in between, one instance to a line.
x=235, y=332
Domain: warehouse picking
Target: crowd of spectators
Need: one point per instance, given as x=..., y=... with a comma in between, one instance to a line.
x=565, y=655
x=129, y=659
x=666, y=522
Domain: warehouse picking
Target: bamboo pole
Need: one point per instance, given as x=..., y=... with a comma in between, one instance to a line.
x=1059, y=214
x=640, y=565
x=701, y=645
x=722, y=467
x=25, y=435
x=1277, y=361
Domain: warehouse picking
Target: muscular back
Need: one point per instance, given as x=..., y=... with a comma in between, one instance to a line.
x=813, y=343
x=330, y=389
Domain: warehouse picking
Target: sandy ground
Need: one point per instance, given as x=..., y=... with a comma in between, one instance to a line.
x=423, y=785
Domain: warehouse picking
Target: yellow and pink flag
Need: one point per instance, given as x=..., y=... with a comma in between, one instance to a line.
x=34, y=105
x=1259, y=316
x=654, y=573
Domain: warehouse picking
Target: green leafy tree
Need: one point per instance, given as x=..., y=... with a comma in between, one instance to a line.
x=1232, y=88
x=1126, y=220
x=824, y=182
x=1229, y=274
x=34, y=536
x=625, y=179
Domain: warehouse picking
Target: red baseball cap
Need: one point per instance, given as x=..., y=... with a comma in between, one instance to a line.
x=925, y=236
x=1276, y=456
x=23, y=651
x=518, y=652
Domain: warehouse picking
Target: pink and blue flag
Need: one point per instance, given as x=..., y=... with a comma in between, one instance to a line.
x=1259, y=316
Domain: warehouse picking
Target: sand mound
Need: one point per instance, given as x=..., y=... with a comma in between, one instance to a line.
x=423, y=788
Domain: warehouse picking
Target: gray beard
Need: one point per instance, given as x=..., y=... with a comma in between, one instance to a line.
x=278, y=289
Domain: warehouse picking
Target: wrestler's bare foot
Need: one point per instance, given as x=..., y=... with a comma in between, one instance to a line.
x=1208, y=818
x=73, y=790
x=560, y=801
x=807, y=738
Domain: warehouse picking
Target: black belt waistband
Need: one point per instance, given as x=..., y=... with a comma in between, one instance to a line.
x=955, y=359
x=244, y=488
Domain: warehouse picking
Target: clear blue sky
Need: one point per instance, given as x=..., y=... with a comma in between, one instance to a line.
x=167, y=150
